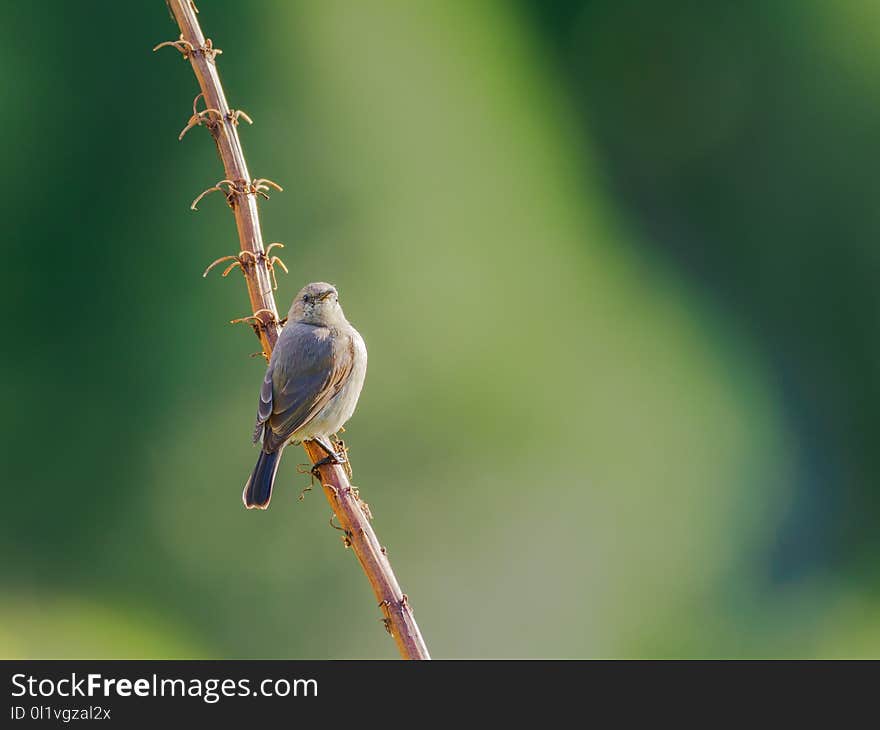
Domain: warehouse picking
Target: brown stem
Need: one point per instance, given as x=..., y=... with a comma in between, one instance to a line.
x=350, y=511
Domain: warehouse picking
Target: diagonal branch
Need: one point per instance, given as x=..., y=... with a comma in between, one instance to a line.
x=241, y=194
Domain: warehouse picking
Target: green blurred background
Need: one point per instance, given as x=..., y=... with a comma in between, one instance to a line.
x=616, y=264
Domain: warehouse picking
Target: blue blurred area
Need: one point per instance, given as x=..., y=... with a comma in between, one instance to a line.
x=615, y=265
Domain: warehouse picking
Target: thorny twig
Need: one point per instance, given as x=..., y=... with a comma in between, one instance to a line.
x=242, y=192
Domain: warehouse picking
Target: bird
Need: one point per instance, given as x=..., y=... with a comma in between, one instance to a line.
x=311, y=388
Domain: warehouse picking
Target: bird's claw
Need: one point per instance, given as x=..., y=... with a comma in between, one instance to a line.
x=330, y=459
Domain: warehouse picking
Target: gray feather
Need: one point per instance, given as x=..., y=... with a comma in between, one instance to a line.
x=308, y=367
x=264, y=409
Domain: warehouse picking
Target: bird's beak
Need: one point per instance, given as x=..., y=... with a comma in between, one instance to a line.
x=325, y=295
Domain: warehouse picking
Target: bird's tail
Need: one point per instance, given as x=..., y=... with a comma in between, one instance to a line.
x=258, y=490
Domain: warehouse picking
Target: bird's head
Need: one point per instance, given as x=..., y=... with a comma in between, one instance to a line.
x=317, y=303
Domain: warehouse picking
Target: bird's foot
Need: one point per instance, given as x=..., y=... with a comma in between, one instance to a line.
x=337, y=454
x=335, y=459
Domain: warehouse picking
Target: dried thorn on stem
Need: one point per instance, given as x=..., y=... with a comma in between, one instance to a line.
x=271, y=264
x=208, y=50
x=195, y=119
x=244, y=255
x=261, y=185
x=235, y=262
x=271, y=261
x=386, y=620
x=262, y=182
x=216, y=189
x=199, y=118
x=306, y=469
x=230, y=268
x=195, y=203
x=181, y=44
x=187, y=49
x=248, y=258
x=256, y=321
x=256, y=187
x=341, y=496
x=233, y=115
x=342, y=450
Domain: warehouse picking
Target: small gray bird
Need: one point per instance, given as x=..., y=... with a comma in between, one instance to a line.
x=311, y=388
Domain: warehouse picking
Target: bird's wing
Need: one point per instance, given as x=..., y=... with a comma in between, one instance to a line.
x=264, y=409
x=310, y=368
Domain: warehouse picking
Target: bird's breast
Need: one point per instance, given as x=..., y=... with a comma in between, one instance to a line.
x=341, y=407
